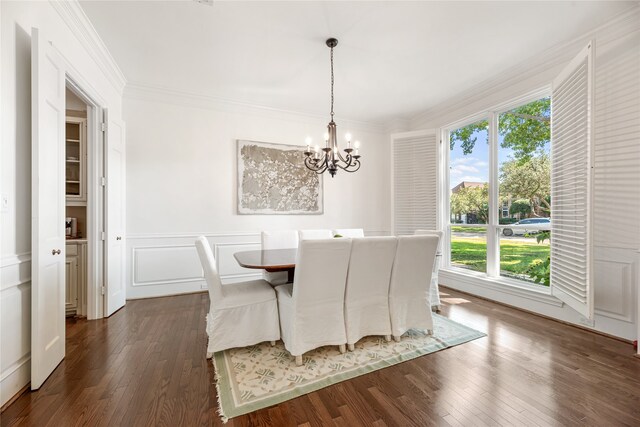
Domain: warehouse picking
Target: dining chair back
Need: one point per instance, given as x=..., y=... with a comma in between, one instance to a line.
x=312, y=308
x=315, y=234
x=279, y=239
x=434, y=289
x=349, y=232
x=366, y=301
x=409, y=301
x=211, y=276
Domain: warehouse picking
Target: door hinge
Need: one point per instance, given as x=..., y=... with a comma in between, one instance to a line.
x=102, y=290
x=102, y=235
x=103, y=126
x=103, y=181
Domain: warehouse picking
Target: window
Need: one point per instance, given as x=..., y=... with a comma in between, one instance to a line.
x=499, y=211
x=469, y=196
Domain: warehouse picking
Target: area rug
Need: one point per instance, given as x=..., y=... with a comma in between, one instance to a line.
x=251, y=378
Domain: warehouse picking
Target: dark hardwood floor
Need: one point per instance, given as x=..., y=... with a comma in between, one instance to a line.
x=146, y=366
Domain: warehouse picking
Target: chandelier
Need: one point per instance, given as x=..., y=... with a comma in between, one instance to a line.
x=331, y=159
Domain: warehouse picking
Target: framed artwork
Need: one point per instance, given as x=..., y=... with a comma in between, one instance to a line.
x=273, y=180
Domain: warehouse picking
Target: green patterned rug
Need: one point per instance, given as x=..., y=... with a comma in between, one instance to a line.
x=251, y=378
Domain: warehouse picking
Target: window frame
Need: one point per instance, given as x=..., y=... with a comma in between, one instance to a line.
x=493, y=228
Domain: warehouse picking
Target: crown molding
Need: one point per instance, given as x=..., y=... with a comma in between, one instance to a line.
x=156, y=93
x=611, y=31
x=73, y=15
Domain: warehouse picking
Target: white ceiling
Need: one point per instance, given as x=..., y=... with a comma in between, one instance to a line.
x=394, y=59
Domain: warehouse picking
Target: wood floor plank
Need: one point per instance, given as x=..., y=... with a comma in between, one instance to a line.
x=146, y=365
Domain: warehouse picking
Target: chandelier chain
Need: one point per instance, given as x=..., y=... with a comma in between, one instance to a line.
x=331, y=84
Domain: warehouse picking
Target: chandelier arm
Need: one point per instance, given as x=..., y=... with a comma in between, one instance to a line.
x=313, y=164
x=347, y=160
x=353, y=168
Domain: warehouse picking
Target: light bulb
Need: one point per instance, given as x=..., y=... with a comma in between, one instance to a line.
x=326, y=136
x=357, y=144
x=317, y=148
x=348, y=137
x=308, y=140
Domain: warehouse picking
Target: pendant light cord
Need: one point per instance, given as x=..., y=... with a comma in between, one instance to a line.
x=331, y=84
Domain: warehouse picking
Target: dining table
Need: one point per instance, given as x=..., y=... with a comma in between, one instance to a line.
x=271, y=260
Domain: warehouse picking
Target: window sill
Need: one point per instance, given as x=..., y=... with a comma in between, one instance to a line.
x=505, y=285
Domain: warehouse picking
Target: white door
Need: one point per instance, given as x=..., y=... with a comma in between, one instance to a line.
x=115, y=167
x=47, y=209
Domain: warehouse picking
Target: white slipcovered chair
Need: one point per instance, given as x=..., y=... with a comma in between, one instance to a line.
x=366, y=300
x=349, y=232
x=434, y=289
x=312, y=307
x=409, y=304
x=282, y=239
x=240, y=314
x=315, y=234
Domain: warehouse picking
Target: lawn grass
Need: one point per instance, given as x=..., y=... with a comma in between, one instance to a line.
x=515, y=256
x=468, y=229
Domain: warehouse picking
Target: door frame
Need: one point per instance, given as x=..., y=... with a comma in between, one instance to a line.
x=96, y=207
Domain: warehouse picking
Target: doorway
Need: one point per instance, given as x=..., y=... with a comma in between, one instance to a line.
x=84, y=204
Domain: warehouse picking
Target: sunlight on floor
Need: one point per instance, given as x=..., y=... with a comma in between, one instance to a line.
x=451, y=300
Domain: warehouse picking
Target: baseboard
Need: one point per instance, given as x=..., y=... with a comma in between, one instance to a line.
x=604, y=334
x=16, y=381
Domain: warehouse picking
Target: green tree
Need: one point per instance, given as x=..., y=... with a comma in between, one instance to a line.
x=520, y=206
x=526, y=130
x=530, y=180
x=471, y=200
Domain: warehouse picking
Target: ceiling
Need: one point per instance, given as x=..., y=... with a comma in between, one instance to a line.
x=394, y=59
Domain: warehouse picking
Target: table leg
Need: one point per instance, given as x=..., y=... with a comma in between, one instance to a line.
x=290, y=273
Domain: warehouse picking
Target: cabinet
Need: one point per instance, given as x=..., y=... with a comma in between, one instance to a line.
x=76, y=278
x=76, y=160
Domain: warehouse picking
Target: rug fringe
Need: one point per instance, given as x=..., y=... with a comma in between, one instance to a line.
x=216, y=377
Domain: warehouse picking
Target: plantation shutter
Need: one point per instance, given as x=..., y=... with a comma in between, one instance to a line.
x=415, y=172
x=571, y=160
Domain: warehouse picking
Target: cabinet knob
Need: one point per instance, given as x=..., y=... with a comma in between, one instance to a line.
x=118, y=238
x=56, y=252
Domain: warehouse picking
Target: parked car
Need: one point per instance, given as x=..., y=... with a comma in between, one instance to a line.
x=538, y=225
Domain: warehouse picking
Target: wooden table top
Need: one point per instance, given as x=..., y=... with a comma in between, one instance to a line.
x=268, y=259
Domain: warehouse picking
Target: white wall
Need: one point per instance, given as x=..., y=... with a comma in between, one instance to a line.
x=70, y=34
x=181, y=183
x=617, y=173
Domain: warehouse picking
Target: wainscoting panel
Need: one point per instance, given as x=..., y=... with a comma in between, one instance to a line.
x=614, y=270
x=15, y=318
x=227, y=264
x=156, y=265
x=168, y=264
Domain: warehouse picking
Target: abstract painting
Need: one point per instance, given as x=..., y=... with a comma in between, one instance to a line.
x=272, y=179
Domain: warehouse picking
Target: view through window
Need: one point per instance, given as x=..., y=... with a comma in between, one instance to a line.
x=522, y=223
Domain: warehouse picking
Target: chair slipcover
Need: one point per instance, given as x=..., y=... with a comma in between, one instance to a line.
x=366, y=301
x=312, y=308
x=349, y=232
x=283, y=239
x=409, y=304
x=315, y=234
x=240, y=314
x=434, y=289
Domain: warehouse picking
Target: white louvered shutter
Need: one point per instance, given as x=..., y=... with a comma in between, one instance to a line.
x=571, y=171
x=415, y=172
